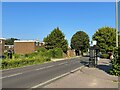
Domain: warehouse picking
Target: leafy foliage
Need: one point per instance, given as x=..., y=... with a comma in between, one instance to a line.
x=80, y=41
x=56, y=39
x=104, y=56
x=105, y=38
x=42, y=55
x=22, y=62
x=119, y=39
x=55, y=53
x=10, y=41
x=115, y=70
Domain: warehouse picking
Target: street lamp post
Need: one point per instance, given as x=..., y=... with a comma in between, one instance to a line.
x=116, y=23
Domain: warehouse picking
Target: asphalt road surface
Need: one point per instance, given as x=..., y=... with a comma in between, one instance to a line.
x=30, y=76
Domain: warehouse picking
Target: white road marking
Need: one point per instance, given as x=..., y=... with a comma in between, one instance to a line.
x=40, y=68
x=45, y=67
x=53, y=79
x=62, y=63
x=41, y=84
x=50, y=66
x=33, y=70
x=25, y=72
x=11, y=75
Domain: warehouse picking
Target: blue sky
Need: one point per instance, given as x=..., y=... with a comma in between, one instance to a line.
x=36, y=20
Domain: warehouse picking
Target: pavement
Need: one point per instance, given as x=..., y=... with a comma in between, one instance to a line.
x=87, y=77
x=60, y=59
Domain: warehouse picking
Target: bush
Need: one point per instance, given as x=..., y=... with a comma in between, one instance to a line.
x=22, y=62
x=115, y=70
x=104, y=56
x=42, y=55
x=16, y=55
x=55, y=53
x=42, y=49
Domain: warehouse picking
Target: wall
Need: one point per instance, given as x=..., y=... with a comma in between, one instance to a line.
x=2, y=48
x=70, y=53
x=24, y=47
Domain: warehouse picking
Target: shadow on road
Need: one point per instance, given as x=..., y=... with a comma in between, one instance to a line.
x=85, y=63
x=102, y=66
x=105, y=68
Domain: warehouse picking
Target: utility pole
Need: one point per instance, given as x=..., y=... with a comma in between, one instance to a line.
x=116, y=23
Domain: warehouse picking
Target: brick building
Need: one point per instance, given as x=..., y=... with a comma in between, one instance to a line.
x=2, y=46
x=25, y=46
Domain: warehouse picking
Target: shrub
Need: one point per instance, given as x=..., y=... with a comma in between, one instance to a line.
x=115, y=70
x=16, y=55
x=58, y=52
x=42, y=55
x=22, y=62
x=42, y=49
x=27, y=59
x=104, y=56
x=26, y=55
x=55, y=53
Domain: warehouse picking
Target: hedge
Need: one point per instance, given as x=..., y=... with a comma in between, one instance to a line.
x=104, y=56
x=55, y=53
x=42, y=55
x=22, y=62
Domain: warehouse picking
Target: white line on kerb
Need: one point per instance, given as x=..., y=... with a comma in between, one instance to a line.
x=11, y=75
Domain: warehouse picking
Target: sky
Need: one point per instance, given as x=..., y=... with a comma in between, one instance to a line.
x=30, y=20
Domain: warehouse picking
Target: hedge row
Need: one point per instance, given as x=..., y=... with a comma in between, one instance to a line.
x=22, y=62
x=42, y=55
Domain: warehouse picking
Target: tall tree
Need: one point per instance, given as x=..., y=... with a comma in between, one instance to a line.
x=56, y=39
x=10, y=41
x=80, y=41
x=119, y=39
x=105, y=38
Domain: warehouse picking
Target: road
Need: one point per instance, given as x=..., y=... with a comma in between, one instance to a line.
x=31, y=76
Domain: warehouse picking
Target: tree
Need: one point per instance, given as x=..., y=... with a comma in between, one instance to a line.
x=106, y=38
x=115, y=69
x=80, y=41
x=119, y=39
x=56, y=39
x=10, y=41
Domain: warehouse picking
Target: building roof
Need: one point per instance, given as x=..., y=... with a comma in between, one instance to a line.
x=2, y=38
x=26, y=41
x=9, y=45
